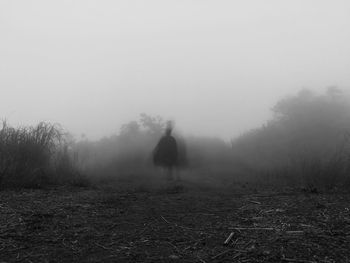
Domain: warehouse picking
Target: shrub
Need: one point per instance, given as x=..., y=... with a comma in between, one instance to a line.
x=33, y=156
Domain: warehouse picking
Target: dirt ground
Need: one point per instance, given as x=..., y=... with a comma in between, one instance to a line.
x=174, y=223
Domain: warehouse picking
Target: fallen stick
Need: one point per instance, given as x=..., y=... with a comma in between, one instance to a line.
x=304, y=225
x=254, y=228
x=101, y=246
x=229, y=238
x=237, y=255
x=201, y=260
x=297, y=260
x=222, y=253
x=176, y=248
x=166, y=221
x=295, y=232
x=246, y=245
x=255, y=202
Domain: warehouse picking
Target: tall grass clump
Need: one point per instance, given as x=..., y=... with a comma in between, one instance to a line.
x=33, y=156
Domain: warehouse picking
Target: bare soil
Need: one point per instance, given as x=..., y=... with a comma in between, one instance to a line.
x=174, y=223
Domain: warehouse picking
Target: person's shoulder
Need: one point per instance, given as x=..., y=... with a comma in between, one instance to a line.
x=172, y=138
x=163, y=138
x=168, y=138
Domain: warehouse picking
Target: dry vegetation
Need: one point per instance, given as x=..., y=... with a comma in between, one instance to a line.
x=34, y=156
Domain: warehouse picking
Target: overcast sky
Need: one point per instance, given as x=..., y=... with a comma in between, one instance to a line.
x=215, y=67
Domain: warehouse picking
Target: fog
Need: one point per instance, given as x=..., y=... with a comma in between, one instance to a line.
x=214, y=67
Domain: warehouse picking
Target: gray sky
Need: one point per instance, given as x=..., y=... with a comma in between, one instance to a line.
x=215, y=67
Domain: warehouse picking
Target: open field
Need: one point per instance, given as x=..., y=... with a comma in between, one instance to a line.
x=177, y=223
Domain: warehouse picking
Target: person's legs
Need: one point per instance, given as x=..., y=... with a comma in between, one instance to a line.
x=169, y=171
x=177, y=175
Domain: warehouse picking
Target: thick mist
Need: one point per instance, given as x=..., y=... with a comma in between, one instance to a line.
x=214, y=68
x=306, y=143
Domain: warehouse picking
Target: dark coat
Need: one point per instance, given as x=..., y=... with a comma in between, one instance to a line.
x=165, y=154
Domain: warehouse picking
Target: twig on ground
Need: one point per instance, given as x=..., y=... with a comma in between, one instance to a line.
x=273, y=210
x=237, y=255
x=113, y=226
x=101, y=246
x=222, y=253
x=175, y=224
x=253, y=228
x=166, y=221
x=297, y=260
x=201, y=260
x=227, y=241
x=144, y=229
x=176, y=248
x=246, y=245
x=297, y=232
x=304, y=225
x=184, y=227
x=254, y=202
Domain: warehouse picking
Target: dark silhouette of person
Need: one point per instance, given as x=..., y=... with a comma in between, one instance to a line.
x=165, y=154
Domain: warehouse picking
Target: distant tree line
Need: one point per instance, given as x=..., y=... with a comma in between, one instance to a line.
x=306, y=143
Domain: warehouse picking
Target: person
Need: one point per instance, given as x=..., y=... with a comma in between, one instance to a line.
x=165, y=154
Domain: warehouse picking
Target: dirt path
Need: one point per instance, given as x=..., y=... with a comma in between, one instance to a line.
x=172, y=225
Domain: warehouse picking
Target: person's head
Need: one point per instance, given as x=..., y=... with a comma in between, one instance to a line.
x=169, y=128
x=168, y=131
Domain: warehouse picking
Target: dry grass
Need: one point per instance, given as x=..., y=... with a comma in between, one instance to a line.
x=33, y=156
